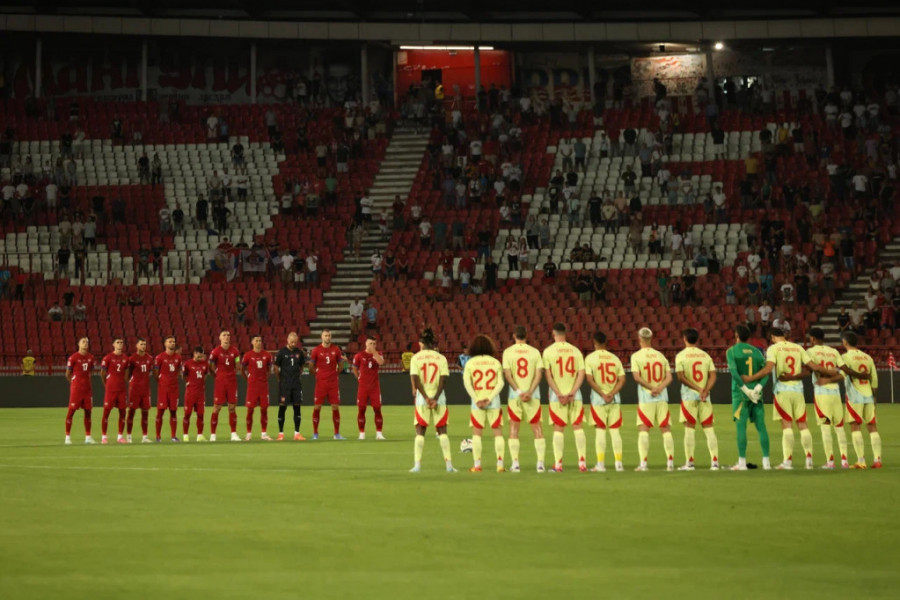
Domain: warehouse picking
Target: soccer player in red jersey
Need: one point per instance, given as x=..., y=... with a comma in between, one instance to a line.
x=166, y=367
x=194, y=373
x=256, y=366
x=365, y=368
x=112, y=374
x=223, y=364
x=140, y=366
x=78, y=372
x=326, y=361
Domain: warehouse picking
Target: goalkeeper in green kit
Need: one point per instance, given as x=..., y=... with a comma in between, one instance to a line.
x=746, y=403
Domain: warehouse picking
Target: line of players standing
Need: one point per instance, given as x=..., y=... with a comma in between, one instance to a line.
x=224, y=363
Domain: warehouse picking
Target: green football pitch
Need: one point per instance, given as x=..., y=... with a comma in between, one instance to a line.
x=330, y=519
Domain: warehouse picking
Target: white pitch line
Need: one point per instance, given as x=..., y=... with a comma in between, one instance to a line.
x=201, y=469
x=191, y=456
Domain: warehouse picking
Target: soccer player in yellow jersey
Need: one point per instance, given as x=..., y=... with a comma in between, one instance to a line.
x=428, y=372
x=827, y=398
x=787, y=359
x=651, y=372
x=523, y=369
x=564, y=366
x=483, y=380
x=697, y=374
x=861, y=389
x=606, y=376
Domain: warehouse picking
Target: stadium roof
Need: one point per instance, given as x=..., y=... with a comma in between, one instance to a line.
x=443, y=11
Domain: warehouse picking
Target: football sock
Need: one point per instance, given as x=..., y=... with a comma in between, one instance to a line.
x=186, y=421
x=336, y=421
x=264, y=419
x=859, y=445
x=842, y=441
x=213, y=422
x=199, y=422
x=514, y=447
x=232, y=421
x=806, y=441
x=173, y=422
x=418, y=447
x=600, y=444
x=379, y=419
x=669, y=445
x=249, y=420
x=297, y=418
x=616, y=443
x=712, y=442
x=787, y=444
x=361, y=418
x=159, y=415
x=316, y=413
x=827, y=442
x=580, y=444
x=444, y=440
x=760, y=423
x=121, y=422
x=689, y=444
x=476, y=449
x=69, y=421
x=104, y=421
x=129, y=421
x=87, y=423
x=875, y=440
x=499, y=447
x=643, y=446
x=742, y=438
x=282, y=409
x=559, y=444
x=145, y=420
x=540, y=448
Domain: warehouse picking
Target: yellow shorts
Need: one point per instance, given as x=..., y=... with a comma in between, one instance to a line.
x=789, y=406
x=861, y=413
x=570, y=414
x=653, y=413
x=427, y=416
x=486, y=417
x=694, y=411
x=524, y=411
x=607, y=415
x=829, y=409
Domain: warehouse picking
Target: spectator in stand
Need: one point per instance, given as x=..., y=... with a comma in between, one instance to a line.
x=371, y=317
x=490, y=274
x=262, y=309
x=312, y=268
x=377, y=261
x=80, y=312
x=178, y=219
x=165, y=220
x=156, y=169
x=201, y=212
x=212, y=127
x=356, y=312
x=240, y=310
x=425, y=233
x=690, y=283
x=765, y=313
x=55, y=313
x=90, y=233
x=390, y=264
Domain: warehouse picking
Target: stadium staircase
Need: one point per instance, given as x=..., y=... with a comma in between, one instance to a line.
x=353, y=276
x=856, y=292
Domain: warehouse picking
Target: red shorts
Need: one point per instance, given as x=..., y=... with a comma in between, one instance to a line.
x=225, y=393
x=166, y=399
x=81, y=399
x=197, y=403
x=257, y=397
x=329, y=391
x=369, y=397
x=115, y=399
x=139, y=400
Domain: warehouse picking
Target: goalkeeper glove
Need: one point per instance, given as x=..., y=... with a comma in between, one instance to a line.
x=751, y=394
